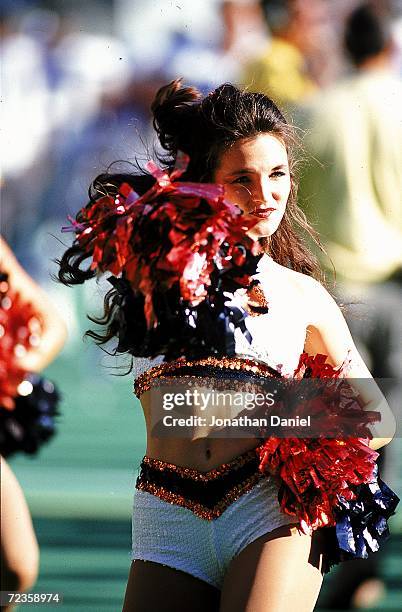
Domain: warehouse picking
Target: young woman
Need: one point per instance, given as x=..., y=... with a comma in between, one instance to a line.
x=244, y=554
x=32, y=334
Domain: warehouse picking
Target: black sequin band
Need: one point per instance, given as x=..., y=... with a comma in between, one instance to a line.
x=207, y=494
x=208, y=371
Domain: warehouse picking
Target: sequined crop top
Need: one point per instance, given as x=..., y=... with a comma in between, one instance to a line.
x=267, y=353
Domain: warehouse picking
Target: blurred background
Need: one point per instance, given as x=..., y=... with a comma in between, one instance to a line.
x=78, y=79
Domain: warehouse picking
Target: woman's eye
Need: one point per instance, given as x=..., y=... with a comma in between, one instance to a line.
x=278, y=173
x=241, y=180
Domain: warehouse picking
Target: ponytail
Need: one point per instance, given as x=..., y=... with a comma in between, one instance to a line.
x=172, y=107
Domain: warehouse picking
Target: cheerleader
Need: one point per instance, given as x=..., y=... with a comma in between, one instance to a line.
x=213, y=280
x=31, y=335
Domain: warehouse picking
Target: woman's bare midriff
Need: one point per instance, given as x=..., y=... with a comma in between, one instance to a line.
x=199, y=450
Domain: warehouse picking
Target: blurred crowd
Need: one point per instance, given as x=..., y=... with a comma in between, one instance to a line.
x=78, y=79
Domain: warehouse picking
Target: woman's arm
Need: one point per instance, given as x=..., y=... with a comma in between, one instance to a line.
x=329, y=334
x=19, y=547
x=54, y=331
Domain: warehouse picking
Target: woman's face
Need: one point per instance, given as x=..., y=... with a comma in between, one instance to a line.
x=256, y=177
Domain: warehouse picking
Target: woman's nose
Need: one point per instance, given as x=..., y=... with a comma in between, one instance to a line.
x=263, y=191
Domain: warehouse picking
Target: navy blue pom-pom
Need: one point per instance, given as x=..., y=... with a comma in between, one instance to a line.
x=361, y=524
x=194, y=331
x=32, y=421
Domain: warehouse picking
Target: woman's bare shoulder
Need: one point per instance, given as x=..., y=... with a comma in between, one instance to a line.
x=304, y=283
x=312, y=293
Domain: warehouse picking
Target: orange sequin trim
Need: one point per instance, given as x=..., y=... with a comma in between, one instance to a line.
x=257, y=302
x=196, y=507
x=186, y=472
x=154, y=375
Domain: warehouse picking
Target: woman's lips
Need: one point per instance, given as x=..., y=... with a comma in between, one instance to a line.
x=262, y=213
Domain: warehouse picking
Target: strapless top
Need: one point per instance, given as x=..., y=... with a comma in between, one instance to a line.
x=284, y=320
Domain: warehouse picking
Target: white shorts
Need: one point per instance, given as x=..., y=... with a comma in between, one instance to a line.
x=172, y=535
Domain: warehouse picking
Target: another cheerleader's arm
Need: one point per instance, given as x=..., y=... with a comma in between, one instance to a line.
x=328, y=334
x=54, y=331
x=19, y=546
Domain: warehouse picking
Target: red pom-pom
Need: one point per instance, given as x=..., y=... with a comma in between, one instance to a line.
x=316, y=366
x=312, y=472
x=20, y=329
x=174, y=233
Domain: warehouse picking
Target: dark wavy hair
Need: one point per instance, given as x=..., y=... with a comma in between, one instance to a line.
x=204, y=128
